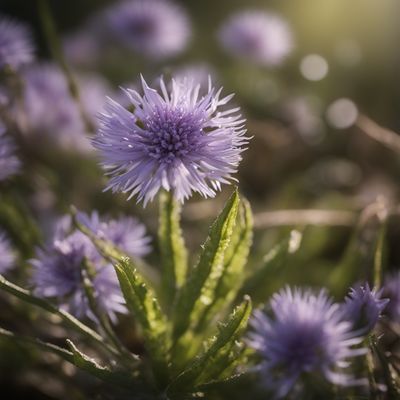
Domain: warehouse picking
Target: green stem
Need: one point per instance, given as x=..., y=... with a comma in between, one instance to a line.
x=87, y=276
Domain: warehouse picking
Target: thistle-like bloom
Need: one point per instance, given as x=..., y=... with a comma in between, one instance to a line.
x=7, y=255
x=262, y=38
x=176, y=141
x=58, y=274
x=58, y=267
x=364, y=306
x=392, y=291
x=304, y=332
x=16, y=48
x=154, y=28
x=126, y=233
x=9, y=163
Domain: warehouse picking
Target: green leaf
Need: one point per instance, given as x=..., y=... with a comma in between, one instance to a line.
x=26, y=340
x=90, y=365
x=172, y=247
x=143, y=305
x=28, y=297
x=198, y=291
x=274, y=260
x=215, y=349
x=380, y=253
x=235, y=259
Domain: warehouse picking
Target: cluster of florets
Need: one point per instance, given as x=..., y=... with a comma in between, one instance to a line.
x=59, y=267
x=16, y=48
x=175, y=141
x=305, y=332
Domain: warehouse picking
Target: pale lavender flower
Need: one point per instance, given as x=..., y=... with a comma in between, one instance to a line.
x=392, y=291
x=303, y=332
x=49, y=109
x=7, y=255
x=154, y=28
x=257, y=36
x=177, y=141
x=57, y=274
x=127, y=233
x=364, y=306
x=9, y=163
x=16, y=48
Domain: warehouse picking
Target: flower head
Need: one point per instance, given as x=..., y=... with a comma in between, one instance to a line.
x=7, y=255
x=154, y=28
x=46, y=89
x=177, y=141
x=364, y=306
x=304, y=333
x=16, y=48
x=127, y=233
x=9, y=163
x=57, y=268
x=260, y=37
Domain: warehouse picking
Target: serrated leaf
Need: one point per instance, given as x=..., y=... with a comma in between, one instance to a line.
x=198, y=291
x=272, y=262
x=91, y=366
x=143, y=305
x=235, y=259
x=172, y=247
x=228, y=334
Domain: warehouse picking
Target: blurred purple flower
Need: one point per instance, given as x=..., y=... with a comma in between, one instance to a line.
x=391, y=290
x=7, y=255
x=305, y=332
x=257, y=36
x=50, y=110
x=176, y=141
x=127, y=233
x=16, y=48
x=364, y=306
x=154, y=28
x=9, y=163
x=57, y=267
x=57, y=274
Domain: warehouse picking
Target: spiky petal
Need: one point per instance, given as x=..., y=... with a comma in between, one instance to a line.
x=176, y=141
x=364, y=306
x=303, y=332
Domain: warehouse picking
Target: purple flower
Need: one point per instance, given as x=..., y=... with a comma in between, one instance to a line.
x=9, y=163
x=16, y=48
x=259, y=37
x=127, y=233
x=177, y=141
x=364, y=306
x=392, y=291
x=7, y=255
x=304, y=332
x=58, y=266
x=50, y=111
x=154, y=28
